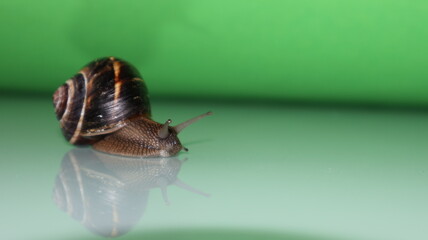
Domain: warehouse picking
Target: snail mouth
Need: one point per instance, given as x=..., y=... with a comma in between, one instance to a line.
x=169, y=152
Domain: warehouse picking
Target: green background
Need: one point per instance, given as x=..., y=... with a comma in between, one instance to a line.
x=273, y=170
x=371, y=51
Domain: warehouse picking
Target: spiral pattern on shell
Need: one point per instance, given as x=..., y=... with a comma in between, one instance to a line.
x=99, y=99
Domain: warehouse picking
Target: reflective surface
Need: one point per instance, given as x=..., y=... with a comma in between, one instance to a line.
x=108, y=194
x=272, y=172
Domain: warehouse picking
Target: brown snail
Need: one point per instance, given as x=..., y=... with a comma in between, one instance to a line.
x=106, y=105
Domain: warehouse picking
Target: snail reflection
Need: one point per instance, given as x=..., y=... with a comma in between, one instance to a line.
x=108, y=194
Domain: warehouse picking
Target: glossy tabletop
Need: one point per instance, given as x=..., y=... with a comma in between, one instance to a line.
x=253, y=171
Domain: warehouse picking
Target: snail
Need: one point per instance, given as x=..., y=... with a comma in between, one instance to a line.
x=106, y=105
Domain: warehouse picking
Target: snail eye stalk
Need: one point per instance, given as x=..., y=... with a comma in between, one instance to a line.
x=185, y=124
x=163, y=132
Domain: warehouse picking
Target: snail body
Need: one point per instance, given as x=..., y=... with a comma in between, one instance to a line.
x=106, y=105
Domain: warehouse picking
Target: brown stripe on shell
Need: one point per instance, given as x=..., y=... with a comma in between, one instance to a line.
x=116, y=69
x=67, y=124
x=137, y=79
x=76, y=134
x=70, y=103
x=60, y=99
x=117, y=90
x=118, y=83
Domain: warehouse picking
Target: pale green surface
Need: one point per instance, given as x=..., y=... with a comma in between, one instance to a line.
x=272, y=172
x=312, y=50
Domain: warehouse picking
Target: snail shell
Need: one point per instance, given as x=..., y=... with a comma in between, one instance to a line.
x=106, y=104
x=100, y=98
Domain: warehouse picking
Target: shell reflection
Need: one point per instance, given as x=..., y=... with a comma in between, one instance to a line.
x=108, y=194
